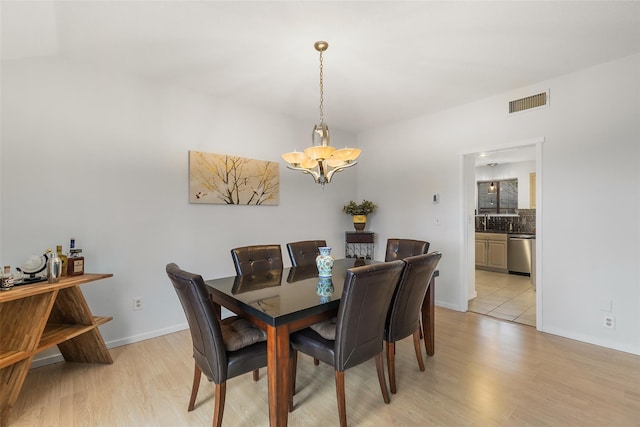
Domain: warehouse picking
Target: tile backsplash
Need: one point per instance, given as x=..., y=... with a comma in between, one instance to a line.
x=525, y=222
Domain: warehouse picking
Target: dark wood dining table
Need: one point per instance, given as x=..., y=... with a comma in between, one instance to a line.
x=284, y=301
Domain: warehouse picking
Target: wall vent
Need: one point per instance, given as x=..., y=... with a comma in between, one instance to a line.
x=533, y=101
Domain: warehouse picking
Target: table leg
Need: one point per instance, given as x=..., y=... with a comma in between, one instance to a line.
x=428, y=318
x=278, y=373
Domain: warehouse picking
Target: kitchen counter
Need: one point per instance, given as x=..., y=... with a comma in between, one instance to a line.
x=522, y=233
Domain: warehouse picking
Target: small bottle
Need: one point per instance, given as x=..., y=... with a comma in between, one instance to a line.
x=76, y=263
x=54, y=268
x=76, y=260
x=63, y=259
x=6, y=279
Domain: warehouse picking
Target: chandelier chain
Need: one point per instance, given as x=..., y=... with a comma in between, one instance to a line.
x=321, y=91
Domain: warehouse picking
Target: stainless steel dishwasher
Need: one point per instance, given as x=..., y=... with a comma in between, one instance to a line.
x=519, y=254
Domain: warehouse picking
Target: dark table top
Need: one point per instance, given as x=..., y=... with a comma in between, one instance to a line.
x=281, y=296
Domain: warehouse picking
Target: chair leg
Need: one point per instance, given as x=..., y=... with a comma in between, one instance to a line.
x=293, y=362
x=381, y=379
x=197, y=373
x=256, y=375
x=391, y=365
x=316, y=361
x=342, y=405
x=416, y=345
x=218, y=409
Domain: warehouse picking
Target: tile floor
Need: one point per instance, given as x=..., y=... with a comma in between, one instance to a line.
x=505, y=296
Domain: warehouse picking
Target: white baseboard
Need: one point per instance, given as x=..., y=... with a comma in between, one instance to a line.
x=449, y=306
x=55, y=358
x=614, y=345
x=147, y=335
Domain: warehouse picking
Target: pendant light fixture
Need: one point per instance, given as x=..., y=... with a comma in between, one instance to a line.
x=492, y=188
x=321, y=160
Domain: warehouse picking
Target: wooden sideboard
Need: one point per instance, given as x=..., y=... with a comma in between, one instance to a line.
x=38, y=316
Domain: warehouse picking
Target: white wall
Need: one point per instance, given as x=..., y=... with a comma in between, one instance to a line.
x=589, y=194
x=518, y=170
x=103, y=158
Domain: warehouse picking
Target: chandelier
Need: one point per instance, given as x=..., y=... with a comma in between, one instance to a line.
x=321, y=160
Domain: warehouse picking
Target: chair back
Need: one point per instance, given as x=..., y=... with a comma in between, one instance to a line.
x=361, y=317
x=402, y=248
x=404, y=312
x=253, y=259
x=208, y=347
x=304, y=252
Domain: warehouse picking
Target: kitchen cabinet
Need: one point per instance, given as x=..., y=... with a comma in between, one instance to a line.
x=481, y=252
x=532, y=190
x=491, y=251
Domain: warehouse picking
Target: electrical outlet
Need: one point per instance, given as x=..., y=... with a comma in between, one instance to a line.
x=609, y=322
x=437, y=220
x=137, y=303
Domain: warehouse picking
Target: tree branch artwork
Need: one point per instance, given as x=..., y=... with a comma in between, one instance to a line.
x=232, y=180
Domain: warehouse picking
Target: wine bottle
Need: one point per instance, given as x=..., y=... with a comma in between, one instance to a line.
x=75, y=260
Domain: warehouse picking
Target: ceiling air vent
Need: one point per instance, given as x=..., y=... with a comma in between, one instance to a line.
x=533, y=101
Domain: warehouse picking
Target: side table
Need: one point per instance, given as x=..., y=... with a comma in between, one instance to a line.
x=359, y=244
x=39, y=316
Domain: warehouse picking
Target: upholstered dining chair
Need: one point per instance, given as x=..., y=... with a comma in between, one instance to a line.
x=256, y=258
x=304, y=252
x=403, y=318
x=356, y=334
x=402, y=248
x=221, y=349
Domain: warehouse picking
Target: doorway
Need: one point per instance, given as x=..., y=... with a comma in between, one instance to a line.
x=496, y=293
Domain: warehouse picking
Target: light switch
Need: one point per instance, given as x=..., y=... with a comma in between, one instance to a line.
x=436, y=198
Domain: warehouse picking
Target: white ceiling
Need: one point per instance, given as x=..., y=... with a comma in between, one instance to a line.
x=387, y=61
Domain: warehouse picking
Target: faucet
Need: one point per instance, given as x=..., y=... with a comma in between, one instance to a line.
x=484, y=221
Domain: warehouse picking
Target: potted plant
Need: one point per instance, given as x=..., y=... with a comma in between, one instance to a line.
x=359, y=212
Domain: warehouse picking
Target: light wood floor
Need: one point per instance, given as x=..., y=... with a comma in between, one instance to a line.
x=486, y=372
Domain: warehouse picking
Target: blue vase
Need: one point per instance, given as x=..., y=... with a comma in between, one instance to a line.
x=324, y=261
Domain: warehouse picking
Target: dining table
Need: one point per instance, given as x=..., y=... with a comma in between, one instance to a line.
x=286, y=300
